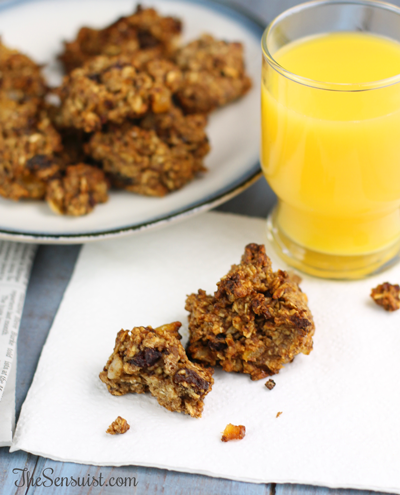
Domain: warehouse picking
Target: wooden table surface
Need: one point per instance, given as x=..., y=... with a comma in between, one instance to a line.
x=51, y=272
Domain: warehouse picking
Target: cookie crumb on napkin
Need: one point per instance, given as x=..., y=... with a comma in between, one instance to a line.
x=233, y=432
x=387, y=295
x=119, y=426
x=270, y=384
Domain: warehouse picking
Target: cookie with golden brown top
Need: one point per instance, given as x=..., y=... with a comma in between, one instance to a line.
x=153, y=360
x=18, y=116
x=20, y=77
x=137, y=160
x=177, y=129
x=27, y=158
x=257, y=321
x=113, y=90
x=77, y=191
x=143, y=30
x=213, y=74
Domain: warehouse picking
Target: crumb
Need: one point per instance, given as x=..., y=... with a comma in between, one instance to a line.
x=154, y=360
x=233, y=432
x=137, y=160
x=387, y=295
x=213, y=74
x=270, y=384
x=278, y=414
x=120, y=426
x=257, y=321
x=77, y=191
x=144, y=30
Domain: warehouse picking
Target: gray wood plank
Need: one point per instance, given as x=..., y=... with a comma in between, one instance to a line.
x=11, y=469
x=135, y=480
x=316, y=490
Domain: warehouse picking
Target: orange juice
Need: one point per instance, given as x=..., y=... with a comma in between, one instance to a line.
x=331, y=151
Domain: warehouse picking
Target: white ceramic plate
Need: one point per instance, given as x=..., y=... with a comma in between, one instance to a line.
x=37, y=27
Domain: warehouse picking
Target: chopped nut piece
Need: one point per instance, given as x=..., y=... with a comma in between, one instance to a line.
x=270, y=384
x=153, y=360
x=120, y=426
x=78, y=191
x=257, y=320
x=278, y=414
x=233, y=432
x=213, y=74
x=143, y=30
x=387, y=295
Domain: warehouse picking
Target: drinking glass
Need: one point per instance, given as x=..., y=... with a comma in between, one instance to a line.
x=331, y=150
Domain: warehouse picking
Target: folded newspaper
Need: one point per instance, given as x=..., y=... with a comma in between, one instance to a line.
x=15, y=266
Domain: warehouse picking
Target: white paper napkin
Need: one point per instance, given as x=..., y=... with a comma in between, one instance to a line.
x=15, y=266
x=340, y=405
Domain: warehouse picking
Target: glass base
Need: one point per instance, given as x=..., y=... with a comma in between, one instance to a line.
x=326, y=265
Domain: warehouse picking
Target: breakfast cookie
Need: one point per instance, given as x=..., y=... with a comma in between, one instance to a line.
x=213, y=74
x=153, y=360
x=27, y=157
x=137, y=160
x=112, y=89
x=177, y=129
x=144, y=30
x=77, y=191
x=255, y=322
x=20, y=77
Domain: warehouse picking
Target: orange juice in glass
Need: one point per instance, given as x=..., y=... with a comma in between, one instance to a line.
x=330, y=145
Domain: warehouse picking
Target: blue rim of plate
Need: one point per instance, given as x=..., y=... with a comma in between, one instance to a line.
x=254, y=25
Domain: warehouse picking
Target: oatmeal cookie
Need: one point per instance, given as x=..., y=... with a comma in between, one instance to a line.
x=256, y=321
x=177, y=129
x=153, y=360
x=77, y=191
x=27, y=158
x=20, y=77
x=119, y=426
x=17, y=116
x=111, y=90
x=143, y=30
x=139, y=161
x=213, y=74
x=387, y=295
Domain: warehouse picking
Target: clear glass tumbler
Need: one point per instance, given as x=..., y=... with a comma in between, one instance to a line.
x=331, y=149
